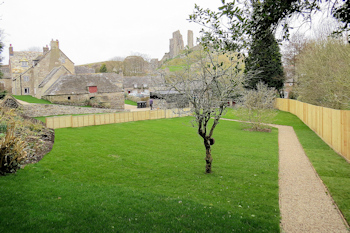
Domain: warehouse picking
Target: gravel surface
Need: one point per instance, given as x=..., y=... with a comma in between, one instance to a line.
x=304, y=203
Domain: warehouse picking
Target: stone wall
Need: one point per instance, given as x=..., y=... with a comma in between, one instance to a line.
x=36, y=110
x=108, y=100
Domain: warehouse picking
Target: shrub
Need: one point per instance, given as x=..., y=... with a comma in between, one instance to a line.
x=257, y=108
x=11, y=151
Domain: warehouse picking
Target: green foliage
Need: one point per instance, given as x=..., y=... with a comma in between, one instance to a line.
x=3, y=128
x=103, y=68
x=264, y=61
x=147, y=177
x=31, y=99
x=342, y=14
x=11, y=151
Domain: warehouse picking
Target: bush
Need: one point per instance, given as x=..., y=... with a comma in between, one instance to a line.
x=257, y=108
x=11, y=151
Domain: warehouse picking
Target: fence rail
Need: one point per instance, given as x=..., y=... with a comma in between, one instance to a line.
x=333, y=126
x=111, y=118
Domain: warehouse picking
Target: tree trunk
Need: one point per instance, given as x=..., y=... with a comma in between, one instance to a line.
x=208, y=158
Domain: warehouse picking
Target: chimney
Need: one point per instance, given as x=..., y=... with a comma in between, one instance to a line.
x=45, y=49
x=11, y=50
x=54, y=44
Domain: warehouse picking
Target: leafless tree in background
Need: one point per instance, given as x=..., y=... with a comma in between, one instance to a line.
x=257, y=107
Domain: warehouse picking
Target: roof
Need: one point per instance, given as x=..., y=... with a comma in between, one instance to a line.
x=78, y=84
x=139, y=80
x=51, y=74
x=83, y=70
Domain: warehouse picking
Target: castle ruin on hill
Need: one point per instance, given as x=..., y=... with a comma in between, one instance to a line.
x=176, y=44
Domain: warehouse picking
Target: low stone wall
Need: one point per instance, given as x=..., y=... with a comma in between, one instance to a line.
x=36, y=110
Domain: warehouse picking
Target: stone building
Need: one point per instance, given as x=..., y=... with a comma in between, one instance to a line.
x=52, y=75
x=103, y=88
x=29, y=69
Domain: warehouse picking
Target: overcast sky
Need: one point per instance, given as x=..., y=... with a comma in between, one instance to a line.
x=92, y=31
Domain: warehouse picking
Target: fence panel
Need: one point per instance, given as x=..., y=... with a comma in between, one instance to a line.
x=327, y=125
x=153, y=115
x=333, y=126
x=345, y=137
x=336, y=129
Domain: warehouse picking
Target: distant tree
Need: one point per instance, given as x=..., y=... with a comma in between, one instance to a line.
x=206, y=83
x=292, y=49
x=323, y=69
x=135, y=65
x=103, y=68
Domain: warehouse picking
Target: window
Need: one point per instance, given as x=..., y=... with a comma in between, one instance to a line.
x=26, y=90
x=68, y=97
x=145, y=85
x=24, y=63
x=26, y=78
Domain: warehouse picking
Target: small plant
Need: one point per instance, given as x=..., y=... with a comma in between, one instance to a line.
x=257, y=108
x=3, y=128
x=11, y=151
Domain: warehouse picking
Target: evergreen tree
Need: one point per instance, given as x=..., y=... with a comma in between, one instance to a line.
x=264, y=61
x=103, y=68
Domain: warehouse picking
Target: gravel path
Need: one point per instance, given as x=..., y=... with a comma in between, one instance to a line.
x=304, y=203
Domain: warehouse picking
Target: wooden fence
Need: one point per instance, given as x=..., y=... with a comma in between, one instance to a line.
x=333, y=126
x=111, y=118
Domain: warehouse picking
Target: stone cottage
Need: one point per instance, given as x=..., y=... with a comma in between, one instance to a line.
x=46, y=75
x=103, y=88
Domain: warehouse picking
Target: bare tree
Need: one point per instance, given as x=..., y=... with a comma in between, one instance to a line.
x=207, y=82
x=257, y=107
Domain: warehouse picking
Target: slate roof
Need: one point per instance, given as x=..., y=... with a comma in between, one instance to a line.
x=83, y=70
x=139, y=80
x=78, y=84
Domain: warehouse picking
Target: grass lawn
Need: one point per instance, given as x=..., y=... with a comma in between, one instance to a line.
x=146, y=176
x=31, y=99
x=130, y=102
x=331, y=167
